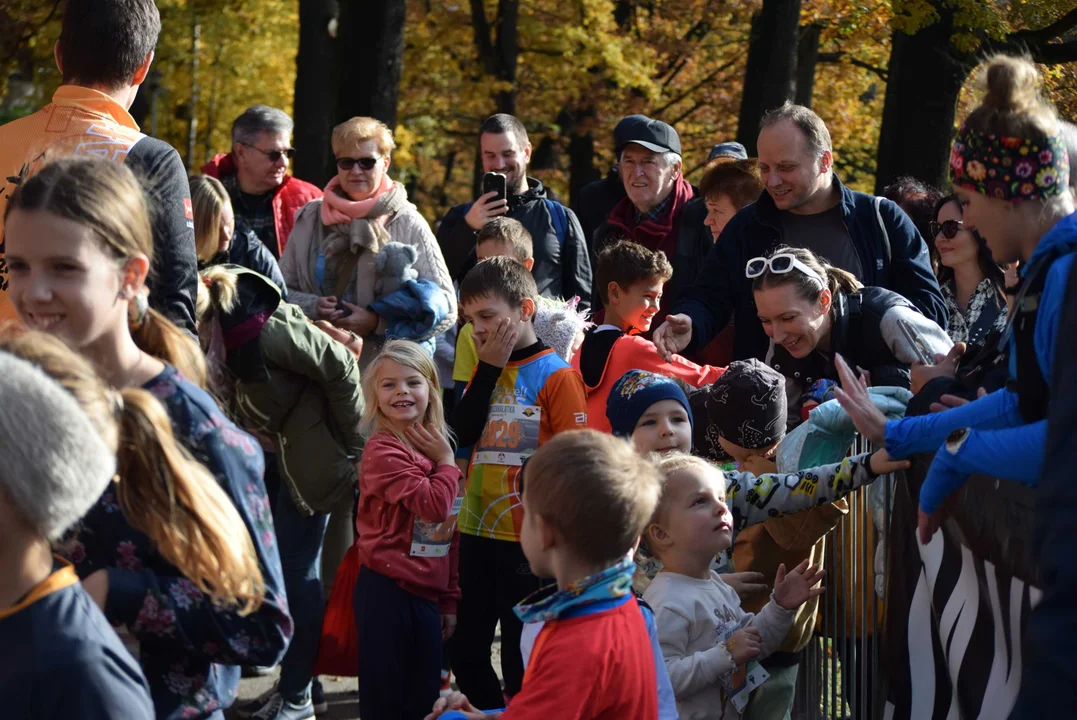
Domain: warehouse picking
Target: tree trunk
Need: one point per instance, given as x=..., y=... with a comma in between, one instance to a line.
x=192, y=119
x=370, y=58
x=807, y=58
x=498, y=58
x=924, y=80
x=315, y=91
x=770, y=73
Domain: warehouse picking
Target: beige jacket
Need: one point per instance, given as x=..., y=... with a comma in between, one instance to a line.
x=406, y=226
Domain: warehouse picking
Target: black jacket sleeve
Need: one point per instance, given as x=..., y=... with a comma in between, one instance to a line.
x=250, y=252
x=710, y=302
x=173, y=279
x=910, y=266
x=457, y=241
x=469, y=416
x=576, y=263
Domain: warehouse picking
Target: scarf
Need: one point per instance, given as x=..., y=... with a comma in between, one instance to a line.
x=660, y=234
x=613, y=583
x=354, y=224
x=1010, y=168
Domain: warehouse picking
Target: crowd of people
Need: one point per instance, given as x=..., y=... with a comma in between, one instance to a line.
x=609, y=433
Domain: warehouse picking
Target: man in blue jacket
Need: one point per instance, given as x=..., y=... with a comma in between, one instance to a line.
x=805, y=205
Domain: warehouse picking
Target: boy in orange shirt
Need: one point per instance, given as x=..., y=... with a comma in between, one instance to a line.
x=629, y=278
x=521, y=394
x=592, y=659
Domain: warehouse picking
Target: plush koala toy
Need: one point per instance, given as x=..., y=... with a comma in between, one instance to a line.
x=394, y=266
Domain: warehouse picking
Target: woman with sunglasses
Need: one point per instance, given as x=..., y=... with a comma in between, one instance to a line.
x=812, y=311
x=972, y=284
x=329, y=262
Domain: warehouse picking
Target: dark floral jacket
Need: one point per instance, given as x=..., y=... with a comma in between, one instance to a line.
x=190, y=648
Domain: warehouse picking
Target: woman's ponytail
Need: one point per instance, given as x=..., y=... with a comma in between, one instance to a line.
x=175, y=501
x=217, y=293
x=838, y=280
x=156, y=335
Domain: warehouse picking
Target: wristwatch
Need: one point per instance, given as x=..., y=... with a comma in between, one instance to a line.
x=956, y=439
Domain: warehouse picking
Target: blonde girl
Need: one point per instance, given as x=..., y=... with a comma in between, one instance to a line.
x=220, y=237
x=410, y=492
x=181, y=550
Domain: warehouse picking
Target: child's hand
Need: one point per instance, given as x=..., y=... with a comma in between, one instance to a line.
x=794, y=589
x=432, y=444
x=448, y=626
x=744, y=645
x=496, y=349
x=881, y=464
x=459, y=702
x=745, y=583
x=758, y=465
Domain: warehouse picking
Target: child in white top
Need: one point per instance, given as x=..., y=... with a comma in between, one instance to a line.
x=693, y=605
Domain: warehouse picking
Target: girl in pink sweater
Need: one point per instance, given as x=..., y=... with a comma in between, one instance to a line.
x=410, y=492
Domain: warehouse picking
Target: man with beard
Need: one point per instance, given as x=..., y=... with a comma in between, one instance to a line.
x=562, y=263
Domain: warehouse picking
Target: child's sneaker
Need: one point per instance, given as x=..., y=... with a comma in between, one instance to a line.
x=280, y=709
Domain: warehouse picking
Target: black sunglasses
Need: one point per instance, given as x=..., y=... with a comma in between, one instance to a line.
x=273, y=155
x=948, y=229
x=366, y=163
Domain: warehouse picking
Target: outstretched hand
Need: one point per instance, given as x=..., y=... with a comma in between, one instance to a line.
x=460, y=703
x=673, y=335
x=882, y=464
x=791, y=590
x=854, y=398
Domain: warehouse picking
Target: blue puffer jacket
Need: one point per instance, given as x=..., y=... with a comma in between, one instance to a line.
x=413, y=311
x=1001, y=443
x=721, y=291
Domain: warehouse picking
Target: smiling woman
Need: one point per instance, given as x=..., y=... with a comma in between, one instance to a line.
x=812, y=311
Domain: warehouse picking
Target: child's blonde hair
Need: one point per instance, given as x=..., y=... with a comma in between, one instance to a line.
x=208, y=200
x=595, y=490
x=410, y=355
x=673, y=463
x=163, y=492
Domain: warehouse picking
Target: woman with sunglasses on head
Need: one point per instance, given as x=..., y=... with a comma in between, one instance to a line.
x=812, y=311
x=1010, y=169
x=972, y=284
x=329, y=263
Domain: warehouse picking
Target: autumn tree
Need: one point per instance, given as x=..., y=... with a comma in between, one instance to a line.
x=936, y=43
x=770, y=76
x=316, y=82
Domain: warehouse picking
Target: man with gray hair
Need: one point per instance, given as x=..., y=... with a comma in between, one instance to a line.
x=653, y=211
x=265, y=197
x=804, y=205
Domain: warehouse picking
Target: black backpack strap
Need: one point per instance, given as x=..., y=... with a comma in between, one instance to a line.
x=1033, y=393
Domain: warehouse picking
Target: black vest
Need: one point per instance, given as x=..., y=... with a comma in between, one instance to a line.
x=857, y=335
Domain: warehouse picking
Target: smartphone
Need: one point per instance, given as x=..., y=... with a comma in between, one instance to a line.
x=918, y=345
x=495, y=182
x=341, y=307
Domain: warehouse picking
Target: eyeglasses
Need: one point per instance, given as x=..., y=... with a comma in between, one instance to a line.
x=366, y=163
x=948, y=229
x=273, y=155
x=780, y=264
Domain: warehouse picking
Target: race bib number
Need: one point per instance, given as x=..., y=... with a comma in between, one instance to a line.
x=434, y=539
x=511, y=435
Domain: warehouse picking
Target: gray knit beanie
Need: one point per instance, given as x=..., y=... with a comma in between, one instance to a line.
x=54, y=463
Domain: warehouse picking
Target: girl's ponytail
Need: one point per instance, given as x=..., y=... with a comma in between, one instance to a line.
x=174, y=500
x=156, y=335
x=163, y=491
x=218, y=292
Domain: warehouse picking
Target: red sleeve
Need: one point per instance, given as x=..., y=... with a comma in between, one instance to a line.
x=390, y=472
x=636, y=353
x=552, y=687
x=563, y=400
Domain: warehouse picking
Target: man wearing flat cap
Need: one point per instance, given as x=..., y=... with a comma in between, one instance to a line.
x=652, y=213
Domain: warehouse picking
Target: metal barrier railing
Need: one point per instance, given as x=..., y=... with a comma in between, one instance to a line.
x=840, y=671
x=952, y=613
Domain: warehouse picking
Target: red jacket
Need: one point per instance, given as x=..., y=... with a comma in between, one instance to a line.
x=631, y=352
x=407, y=520
x=291, y=195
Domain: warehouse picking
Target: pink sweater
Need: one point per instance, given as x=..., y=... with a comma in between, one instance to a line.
x=407, y=520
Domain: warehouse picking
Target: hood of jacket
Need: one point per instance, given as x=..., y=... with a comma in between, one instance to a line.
x=558, y=323
x=1063, y=236
x=535, y=192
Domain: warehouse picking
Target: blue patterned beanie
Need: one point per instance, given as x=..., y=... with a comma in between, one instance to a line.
x=634, y=393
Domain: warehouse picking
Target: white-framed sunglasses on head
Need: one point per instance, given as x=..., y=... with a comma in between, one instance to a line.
x=780, y=264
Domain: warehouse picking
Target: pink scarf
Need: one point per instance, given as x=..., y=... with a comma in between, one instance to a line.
x=337, y=209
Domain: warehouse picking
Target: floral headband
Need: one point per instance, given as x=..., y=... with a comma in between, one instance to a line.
x=1010, y=168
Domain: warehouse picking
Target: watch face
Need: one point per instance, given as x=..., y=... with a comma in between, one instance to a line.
x=957, y=435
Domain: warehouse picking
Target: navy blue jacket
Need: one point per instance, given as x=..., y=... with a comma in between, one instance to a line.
x=246, y=250
x=723, y=292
